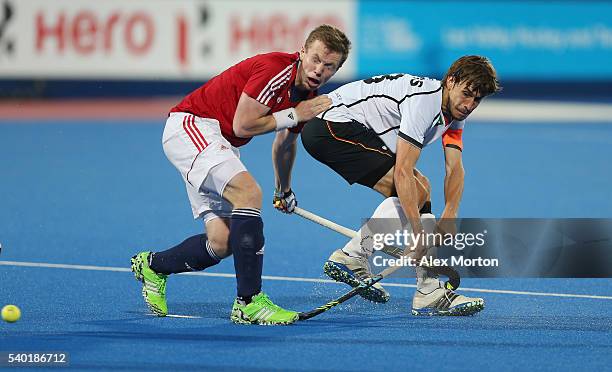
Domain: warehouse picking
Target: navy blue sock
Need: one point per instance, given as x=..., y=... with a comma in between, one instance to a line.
x=194, y=254
x=247, y=243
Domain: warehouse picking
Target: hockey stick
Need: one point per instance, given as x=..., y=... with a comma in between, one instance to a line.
x=348, y=295
x=391, y=251
x=453, y=277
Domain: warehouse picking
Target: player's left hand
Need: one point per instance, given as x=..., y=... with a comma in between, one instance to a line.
x=284, y=201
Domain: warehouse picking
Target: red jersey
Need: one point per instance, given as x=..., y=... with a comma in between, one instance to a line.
x=269, y=78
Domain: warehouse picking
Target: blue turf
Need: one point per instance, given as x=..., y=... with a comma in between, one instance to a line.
x=95, y=194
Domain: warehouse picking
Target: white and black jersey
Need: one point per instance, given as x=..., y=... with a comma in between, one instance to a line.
x=394, y=105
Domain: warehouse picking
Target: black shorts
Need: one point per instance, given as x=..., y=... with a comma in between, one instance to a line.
x=351, y=149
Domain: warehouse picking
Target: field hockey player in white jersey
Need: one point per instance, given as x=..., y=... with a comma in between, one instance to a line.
x=373, y=135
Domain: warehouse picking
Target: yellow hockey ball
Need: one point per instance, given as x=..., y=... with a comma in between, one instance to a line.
x=11, y=313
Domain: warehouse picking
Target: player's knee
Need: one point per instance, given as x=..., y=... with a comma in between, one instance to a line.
x=219, y=243
x=251, y=197
x=243, y=192
x=217, y=231
x=385, y=185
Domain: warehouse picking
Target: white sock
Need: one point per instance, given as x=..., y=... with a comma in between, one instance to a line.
x=425, y=282
x=394, y=219
x=391, y=210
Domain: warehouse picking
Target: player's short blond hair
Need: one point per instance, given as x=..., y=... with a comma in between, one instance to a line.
x=477, y=71
x=334, y=39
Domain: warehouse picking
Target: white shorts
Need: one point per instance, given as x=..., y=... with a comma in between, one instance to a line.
x=205, y=159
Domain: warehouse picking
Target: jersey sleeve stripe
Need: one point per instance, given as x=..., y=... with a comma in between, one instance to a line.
x=409, y=139
x=278, y=84
x=275, y=87
x=275, y=79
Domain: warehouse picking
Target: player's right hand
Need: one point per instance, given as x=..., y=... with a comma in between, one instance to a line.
x=307, y=110
x=284, y=201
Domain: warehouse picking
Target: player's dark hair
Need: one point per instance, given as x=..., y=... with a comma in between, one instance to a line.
x=334, y=39
x=477, y=71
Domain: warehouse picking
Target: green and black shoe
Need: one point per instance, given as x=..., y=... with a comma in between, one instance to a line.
x=154, y=284
x=261, y=311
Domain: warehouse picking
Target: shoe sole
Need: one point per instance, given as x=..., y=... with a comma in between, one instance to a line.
x=153, y=308
x=241, y=321
x=340, y=273
x=466, y=309
x=238, y=319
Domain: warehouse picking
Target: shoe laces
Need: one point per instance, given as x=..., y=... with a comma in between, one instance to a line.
x=366, y=272
x=450, y=295
x=265, y=300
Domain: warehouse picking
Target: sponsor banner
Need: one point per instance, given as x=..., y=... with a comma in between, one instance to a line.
x=154, y=39
x=524, y=247
x=525, y=40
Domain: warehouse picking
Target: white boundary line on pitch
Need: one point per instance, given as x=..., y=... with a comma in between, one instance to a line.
x=178, y=316
x=293, y=279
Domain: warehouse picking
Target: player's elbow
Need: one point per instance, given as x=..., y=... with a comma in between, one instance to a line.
x=240, y=130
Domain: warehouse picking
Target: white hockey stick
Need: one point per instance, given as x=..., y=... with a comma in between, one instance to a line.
x=452, y=274
x=391, y=251
x=452, y=283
